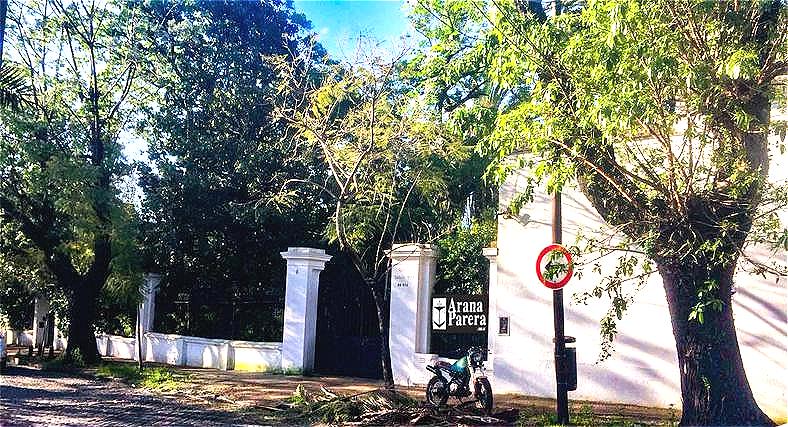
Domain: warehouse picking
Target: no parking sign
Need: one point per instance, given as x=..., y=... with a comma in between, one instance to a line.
x=552, y=274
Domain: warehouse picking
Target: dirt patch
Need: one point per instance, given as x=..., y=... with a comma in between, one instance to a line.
x=251, y=392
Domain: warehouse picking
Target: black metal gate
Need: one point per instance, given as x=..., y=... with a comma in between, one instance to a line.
x=348, y=338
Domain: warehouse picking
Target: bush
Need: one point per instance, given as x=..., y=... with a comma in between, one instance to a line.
x=462, y=269
x=65, y=363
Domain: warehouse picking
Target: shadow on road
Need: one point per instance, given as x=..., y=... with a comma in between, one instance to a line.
x=34, y=397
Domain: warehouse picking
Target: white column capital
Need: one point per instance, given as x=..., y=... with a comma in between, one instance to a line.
x=151, y=282
x=313, y=256
x=403, y=251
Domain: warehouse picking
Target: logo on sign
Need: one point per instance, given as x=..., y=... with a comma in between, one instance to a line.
x=439, y=314
x=459, y=313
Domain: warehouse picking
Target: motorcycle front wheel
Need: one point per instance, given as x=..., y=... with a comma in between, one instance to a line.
x=484, y=395
x=437, y=391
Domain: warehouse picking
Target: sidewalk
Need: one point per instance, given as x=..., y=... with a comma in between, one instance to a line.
x=239, y=391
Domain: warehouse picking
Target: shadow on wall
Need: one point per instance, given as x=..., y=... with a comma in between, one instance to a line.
x=643, y=368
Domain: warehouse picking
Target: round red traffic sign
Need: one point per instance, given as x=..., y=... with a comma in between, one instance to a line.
x=551, y=283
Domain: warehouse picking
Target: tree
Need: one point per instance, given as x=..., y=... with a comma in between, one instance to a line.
x=607, y=84
x=12, y=79
x=21, y=277
x=386, y=181
x=215, y=150
x=60, y=160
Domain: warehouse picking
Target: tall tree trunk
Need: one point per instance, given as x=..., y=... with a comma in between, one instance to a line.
x=714, y=386
x=82, y=318
x=382, y=307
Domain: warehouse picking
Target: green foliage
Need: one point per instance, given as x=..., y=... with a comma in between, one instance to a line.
x=61, y=165
x=215, y=151
x=13, y=87
x=16, y=306
x=72, y=362
x=151, y=378
x=22, y=276
x=585, y=416
x=462, y=269
x=707, y=298
x=386, y=158
x=601, y=94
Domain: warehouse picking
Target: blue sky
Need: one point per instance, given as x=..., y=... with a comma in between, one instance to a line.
x=338, y=22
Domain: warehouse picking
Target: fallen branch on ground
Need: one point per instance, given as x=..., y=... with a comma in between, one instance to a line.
x=378, y=407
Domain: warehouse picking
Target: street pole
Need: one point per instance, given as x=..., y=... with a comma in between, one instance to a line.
x=562, y=400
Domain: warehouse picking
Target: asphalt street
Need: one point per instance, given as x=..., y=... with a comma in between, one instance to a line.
x=31, y=397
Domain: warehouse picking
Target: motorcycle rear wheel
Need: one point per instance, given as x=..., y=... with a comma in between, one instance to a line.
x=483, y=392
x=437, y=391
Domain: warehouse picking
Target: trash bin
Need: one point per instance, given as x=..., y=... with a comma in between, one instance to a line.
x=571, y=363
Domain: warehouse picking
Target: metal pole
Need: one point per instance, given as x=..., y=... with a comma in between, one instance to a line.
x=562, y=400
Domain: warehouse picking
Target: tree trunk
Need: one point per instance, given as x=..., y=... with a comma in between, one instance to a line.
x=714, y=386
x=82, y=318
x=382, y=307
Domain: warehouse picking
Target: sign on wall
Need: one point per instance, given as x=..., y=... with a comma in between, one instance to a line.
x=459, y=313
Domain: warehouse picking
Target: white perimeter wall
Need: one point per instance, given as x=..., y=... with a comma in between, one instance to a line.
x=198, y=352
x=644, y=367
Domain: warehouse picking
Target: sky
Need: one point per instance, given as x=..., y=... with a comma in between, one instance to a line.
x=339, y=22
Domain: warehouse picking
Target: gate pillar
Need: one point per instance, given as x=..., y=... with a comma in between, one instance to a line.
x=298, y=334
x=148, y=305
x=493, y=321
x=412, y=279
x=40, y=311
x=146, y=311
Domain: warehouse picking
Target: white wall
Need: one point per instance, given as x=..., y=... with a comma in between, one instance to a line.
x=206, y=353
x=22, y=338
x=116, y=346
x=256, y=356
x=164, y=348
x=180, y=350
x=644, y=367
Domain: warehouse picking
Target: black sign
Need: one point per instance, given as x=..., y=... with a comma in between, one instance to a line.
x=503, y=325
x=459, y=313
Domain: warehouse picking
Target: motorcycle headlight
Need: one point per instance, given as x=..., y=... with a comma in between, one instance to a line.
x=476, y=357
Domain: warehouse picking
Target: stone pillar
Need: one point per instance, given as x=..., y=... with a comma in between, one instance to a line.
x=412, y=279
x=40, y=311
x=298, y=334
x=147, y=308
x=492, y=317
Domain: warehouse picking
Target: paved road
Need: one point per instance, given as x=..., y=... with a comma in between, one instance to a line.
x=33, y=397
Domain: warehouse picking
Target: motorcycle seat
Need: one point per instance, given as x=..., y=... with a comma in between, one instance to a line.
x=443, y=365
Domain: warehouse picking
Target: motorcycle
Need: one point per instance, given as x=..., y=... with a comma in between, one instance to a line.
x=458, y=379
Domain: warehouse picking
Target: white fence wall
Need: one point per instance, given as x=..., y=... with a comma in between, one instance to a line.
x=206, y=353
x=25, y=338
x=198, y=352
x=256, y=356
x=164, y=348
x=122, y=347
